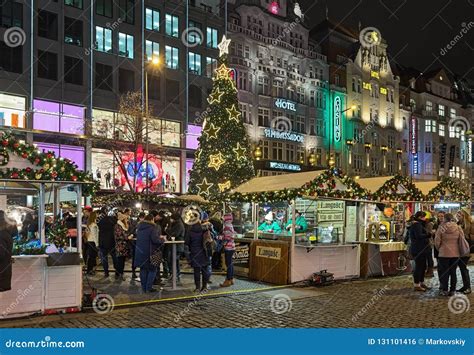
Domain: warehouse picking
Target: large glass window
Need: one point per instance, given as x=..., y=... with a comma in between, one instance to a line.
x=75, y=154
x=103, y=77
x=103, y=39
x=104, y=8
x=441, y=110
x=12, y=111
x=195, y=63
x=11, y=14
x=73, y=3
x=430, y=126
x=73, y=31
x=211, y=65
x=47, y=25
x=73, y=70
x=211, y=37
x=57, y=117
x=152, y=19
x=152, y=49
x=125, y=45
x=172, y=25
x=47, y=65
x=172, y=57
x=194, y=36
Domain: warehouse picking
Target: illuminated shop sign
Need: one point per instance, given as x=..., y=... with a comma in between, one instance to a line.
x=413, y=135
x=337, y=118
x=469, y=150
x=416, y=169
x=284, y=166
x=383, y=91
x=367, y=86
x=285, y=104
x=374, y=74
x=283, y=135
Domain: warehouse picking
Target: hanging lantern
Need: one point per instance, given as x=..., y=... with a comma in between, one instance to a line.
x=257, y=153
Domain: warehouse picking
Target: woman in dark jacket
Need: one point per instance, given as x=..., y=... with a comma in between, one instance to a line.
x=148, y=241
x=106, y=225
x=176, y=230
x=199, y=258
x=419, y=249
x=7, y=232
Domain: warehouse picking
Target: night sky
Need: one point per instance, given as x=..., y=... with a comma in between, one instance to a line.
x=416, y=30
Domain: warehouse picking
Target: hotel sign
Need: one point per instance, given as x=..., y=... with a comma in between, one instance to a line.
x=337, y=118
x=285, y=104
x=284, y=166
x=283, y=135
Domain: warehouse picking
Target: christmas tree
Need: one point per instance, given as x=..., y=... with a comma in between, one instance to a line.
x=223, y=159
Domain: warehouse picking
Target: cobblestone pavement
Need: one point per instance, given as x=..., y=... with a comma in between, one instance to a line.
x=385, y=302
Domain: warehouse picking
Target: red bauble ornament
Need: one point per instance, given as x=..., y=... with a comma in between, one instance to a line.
x=37, y=161
x=16, y=145
x=54, y=174
x=49, y=155
x=28, y=170
x=14, y=175
x=74, y=178
x=4, y=143
x=24, y=155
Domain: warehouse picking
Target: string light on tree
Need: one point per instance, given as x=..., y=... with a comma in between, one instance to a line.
x=224, y=186
x=224, y=46
x=216, y=160
x=215, y=96
x=240, y=152
x=212, y=131
x=234, y=114
x=204, y=187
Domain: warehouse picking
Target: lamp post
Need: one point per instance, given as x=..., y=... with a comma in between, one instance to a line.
x=154, y=62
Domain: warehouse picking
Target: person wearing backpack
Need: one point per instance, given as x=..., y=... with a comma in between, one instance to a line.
x=447, y=241
x=196, y=240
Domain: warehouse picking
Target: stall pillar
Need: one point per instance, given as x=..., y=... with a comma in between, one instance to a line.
x=56, y=202
x=79, y=217
x=41, y=211
x=255, y=219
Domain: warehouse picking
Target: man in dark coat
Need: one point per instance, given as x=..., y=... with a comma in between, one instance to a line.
x=7, y=232
x=106, y=225
x=419, y=249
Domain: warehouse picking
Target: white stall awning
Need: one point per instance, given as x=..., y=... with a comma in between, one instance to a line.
x=372, y=184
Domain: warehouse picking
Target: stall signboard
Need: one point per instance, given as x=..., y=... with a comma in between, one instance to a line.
x=283, y=135
x=241, y=255
x=268, y=252
x=285, y=104
x=331, y=213
x=12, y=110
x=283, y=166
x=330, y=205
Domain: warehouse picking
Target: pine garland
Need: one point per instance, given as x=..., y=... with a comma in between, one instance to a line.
x=453, y=186
x=57, y=234
x=388, y=191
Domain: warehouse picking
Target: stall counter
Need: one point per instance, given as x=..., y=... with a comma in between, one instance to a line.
x=383, y=258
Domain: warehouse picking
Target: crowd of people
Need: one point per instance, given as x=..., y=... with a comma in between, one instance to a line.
x=446, y=238
x=142, y=240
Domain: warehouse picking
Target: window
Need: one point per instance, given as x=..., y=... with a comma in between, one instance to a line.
x=11, y=14
x=172, y=91
x=277, y=150
x=195, y=96
x=452, y=112
x=194, y=63
x=172, y=25
x=152, y=49
x=429, y=106
x=405, y=125
x=390, y=166
x=300, y=124
x=354, y=84
x=211, y=65
x=126, y=81
x=211, y=37
x=319, y=127
x=47, y=25
x=242, y=80
x=430, y=126
x=104, y=8
x=390, y=141
x=290, y=152
x=246, y=113
x=336, y=79
x=73, y=70
x=127, y=11
x=171, y=57
x=152, y=19
x=359, y=85
x=300, y=97
x=194, y=36
x=73, y=31
x=375, y=139
x=442, y=130
x=154, y=86
x=47, y=65
x=263, y=85
x=264, y=117
x=278, y=88
x=103, y=77
x=357, y=162
x=103, y=39
x=441, y=110
x=125, y=45
x=428, y=147
x=73, y=3
x=11, y=58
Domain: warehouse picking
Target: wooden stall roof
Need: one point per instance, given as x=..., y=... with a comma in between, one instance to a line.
x=193, y=198
x=372, y=184
x=426, y=186
x=278, y=182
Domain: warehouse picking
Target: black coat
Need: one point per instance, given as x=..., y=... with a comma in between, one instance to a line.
x=176, y=230
x=194, y=240
x=106, y=232
x=420, y=239
x=148, y=240
x=6, y=250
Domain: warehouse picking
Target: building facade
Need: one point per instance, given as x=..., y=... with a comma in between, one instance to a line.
x=60, y=88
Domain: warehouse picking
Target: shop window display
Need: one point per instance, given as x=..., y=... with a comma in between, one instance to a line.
x=12, y=111
x=58, y=117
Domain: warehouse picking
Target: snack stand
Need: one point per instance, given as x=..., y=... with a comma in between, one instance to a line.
x=41, y=282
x=280, y=250
x=384, y=252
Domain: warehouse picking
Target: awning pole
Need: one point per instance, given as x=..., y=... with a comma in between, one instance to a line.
x=79, y=218
x=41, y=211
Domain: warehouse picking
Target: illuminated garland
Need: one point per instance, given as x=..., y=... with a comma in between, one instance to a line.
x=322, y=186
x=117, y=199
x=49, y=167
x=452, y=185
x=388, y=191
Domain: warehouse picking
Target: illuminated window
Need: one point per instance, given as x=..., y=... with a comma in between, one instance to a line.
x=103, y=39
x=152, y=19
x=172, y=24
x=171, y=57
x=125, y=45
x=152, y=49
x=211, y=37
x=441, y=110
x=194, y=63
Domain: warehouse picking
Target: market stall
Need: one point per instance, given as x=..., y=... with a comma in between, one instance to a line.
x=383, y=252
x=299, y=224
x=46, y=273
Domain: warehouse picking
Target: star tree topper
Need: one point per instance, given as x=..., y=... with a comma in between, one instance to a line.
x=223, y=46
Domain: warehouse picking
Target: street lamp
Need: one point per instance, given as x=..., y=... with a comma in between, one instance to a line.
x=154, y=63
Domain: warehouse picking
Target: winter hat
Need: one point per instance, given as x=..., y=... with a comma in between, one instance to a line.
x=269, y=216
x=204, y=216
x=228, y=217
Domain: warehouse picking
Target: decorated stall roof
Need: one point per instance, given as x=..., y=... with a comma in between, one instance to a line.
x=398, y=189
x=449, y=189
x=331, y=183
x=426, y=186
x=124, y=198
x=21, y=162
x=373, y=184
